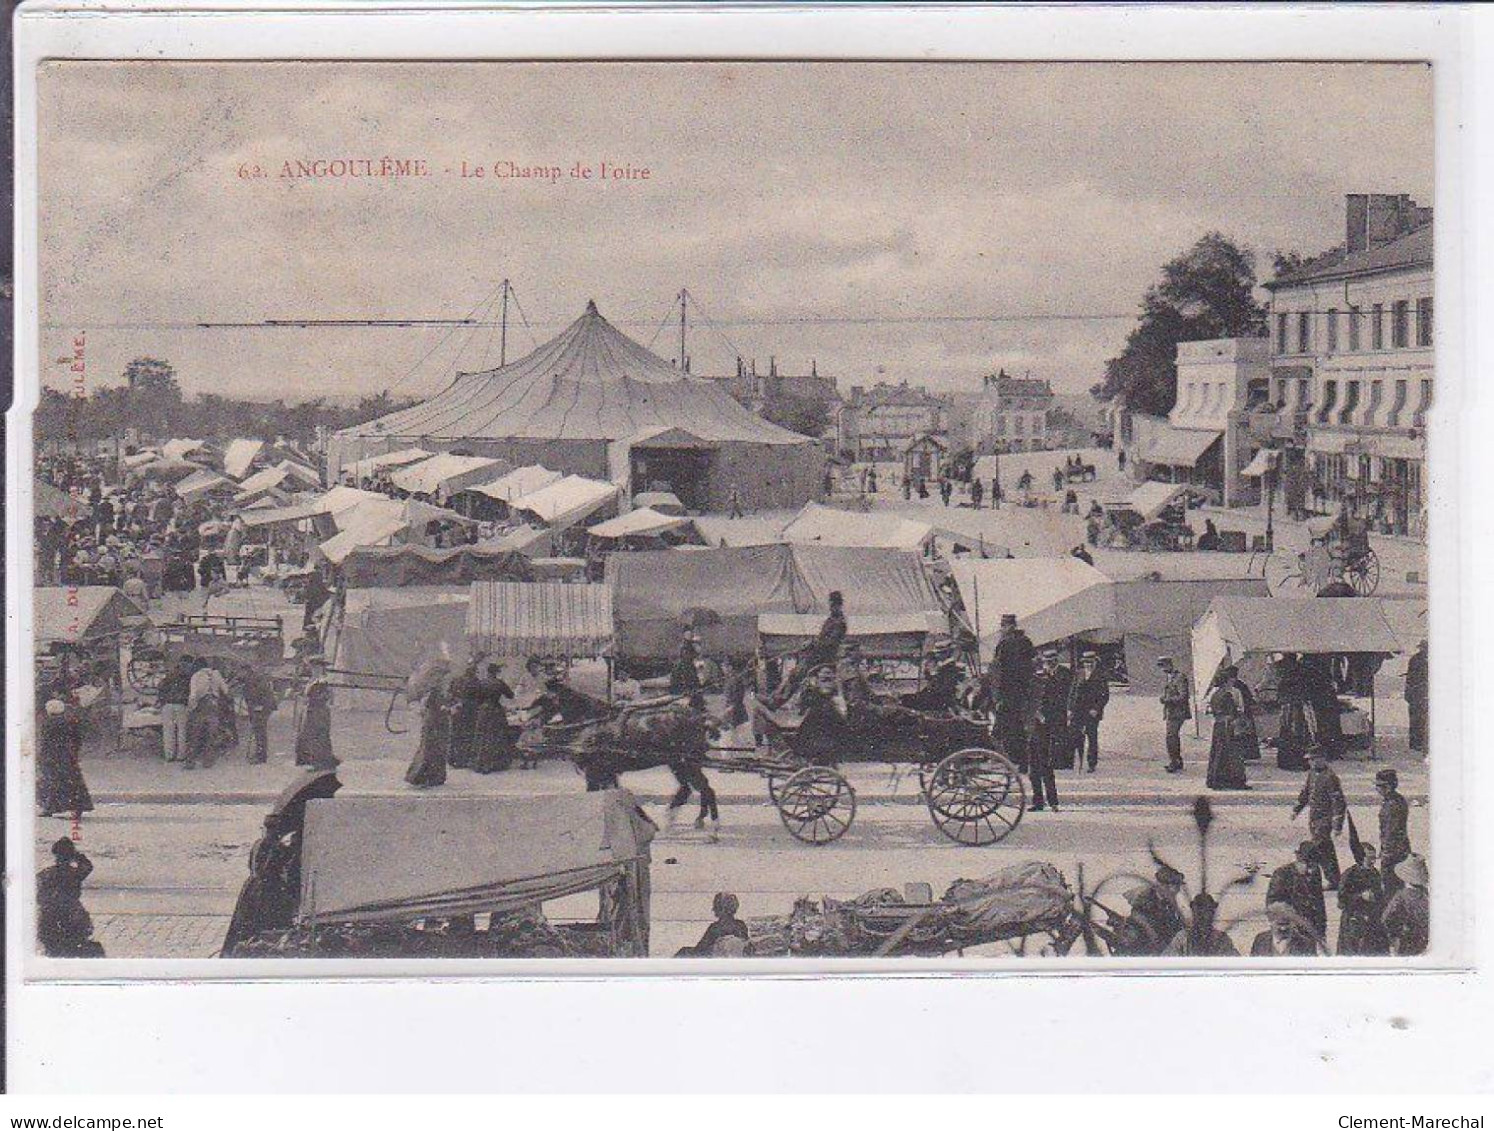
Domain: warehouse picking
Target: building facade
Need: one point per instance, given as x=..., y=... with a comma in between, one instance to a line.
x=877, y=425
x=784, y=396
x=1011, y=415
x=1352, y=366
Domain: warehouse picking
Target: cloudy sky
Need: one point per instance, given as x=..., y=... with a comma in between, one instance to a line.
x=927, y=222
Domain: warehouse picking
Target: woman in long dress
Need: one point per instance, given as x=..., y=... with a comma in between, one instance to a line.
x=429, y=765
x=314, y=739
x=493, y=738
x=60, y=787
x=1294, y=735
x=466, y=703
x=1226, y=763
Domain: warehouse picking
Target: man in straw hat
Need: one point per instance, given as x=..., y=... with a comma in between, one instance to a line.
x=1007, y=688
x=1177, y=709
x=1408, y=914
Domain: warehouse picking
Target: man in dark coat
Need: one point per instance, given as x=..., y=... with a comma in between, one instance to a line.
x=1177, y=709
x=1417, y=689
x=1395, y=841
x=1300, y=886
x=1051, y=744
x=1361, y=900
x=259, y=700
x=1007, y=689
x=1323, y=797
x=1155, y=919
x=1087, y=705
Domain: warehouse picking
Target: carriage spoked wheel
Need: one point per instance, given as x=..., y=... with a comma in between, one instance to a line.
x=816, y=804
x=976, y=797
x=1363, y=573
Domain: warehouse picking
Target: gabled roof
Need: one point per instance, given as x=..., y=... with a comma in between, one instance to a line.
x=591, y=382
x=1411, y=250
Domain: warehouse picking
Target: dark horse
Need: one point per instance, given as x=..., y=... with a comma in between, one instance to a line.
x=606, y=741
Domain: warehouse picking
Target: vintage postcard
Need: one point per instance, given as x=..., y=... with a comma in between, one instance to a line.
x=938, y=513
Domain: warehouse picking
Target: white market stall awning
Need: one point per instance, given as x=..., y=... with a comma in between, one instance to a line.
x=377, y=522
x=239, y=456
x=74, y=614
x=1151, y=499
x=201, y=483
x=517, y=483
x=1261, y=463
x=333, y=502
x=1238, y=628
x=361, y=469
x=1052, y=598
x=179, y=449
x=567, y=501
x=666, y=502
x=446, y=473
x=262, y=481
x=830, y=527
x=638, y=524
x=549, y=619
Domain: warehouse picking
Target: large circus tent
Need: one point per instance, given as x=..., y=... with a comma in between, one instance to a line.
x=595, y=403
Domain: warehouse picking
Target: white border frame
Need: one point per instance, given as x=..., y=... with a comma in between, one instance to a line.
x=394, y=32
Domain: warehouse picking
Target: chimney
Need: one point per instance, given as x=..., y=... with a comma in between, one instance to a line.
x=1356, y=209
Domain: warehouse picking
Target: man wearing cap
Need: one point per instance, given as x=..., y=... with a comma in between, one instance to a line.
x=1176, y=710
x=1408, y=914
x=1395, y=842
x=1051, y=743
x=1300, y=886
x=1323, y=797
x=1007, y=688
x=1087, y=705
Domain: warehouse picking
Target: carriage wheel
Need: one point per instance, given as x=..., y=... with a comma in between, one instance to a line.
x=816, y=805
x=976, y=797
x=1363, y=575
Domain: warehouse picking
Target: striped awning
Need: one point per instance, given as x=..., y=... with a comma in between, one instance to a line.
x=549, y=619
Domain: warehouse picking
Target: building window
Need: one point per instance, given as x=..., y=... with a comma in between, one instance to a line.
x=1281, y=392
x=1354, y=320
x=1332, y=330
x=1019, y=425
x=1400, y=324
x=1424, y=321
x=1281, y=333
x=1302, y=393
x=1304, y=332
x=1377, y=327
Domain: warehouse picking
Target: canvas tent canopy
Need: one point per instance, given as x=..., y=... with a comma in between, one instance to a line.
x=1262, y=463
x=1156, y=619
x=724, y=591
x=377, y=566
x=376, y=522
x=445, y=474
x=179, y=449
x=361, y=469
x=1241, y=629
x=878, y=634
x=566, y=502
x=1151, y=499
x=76, y=614
x=638, y=524
x=665, y=502
x=1052, y=598
x=239, y=456
x=549, y=619
x=517, y=483
x=392, y=631
x=203, y=482
x=830, y=527
x=1161, y=443
x=334, y=502
x=373, y=859
x=263, y=481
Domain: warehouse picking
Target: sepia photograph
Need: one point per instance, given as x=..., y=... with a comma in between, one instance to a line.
x=962, y=515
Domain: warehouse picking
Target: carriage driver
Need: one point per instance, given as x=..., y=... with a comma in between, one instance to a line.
x=822, y=650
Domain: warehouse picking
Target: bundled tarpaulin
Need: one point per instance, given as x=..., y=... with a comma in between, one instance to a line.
x=830, y=527
x=239, y=456
x=376, y=522
x=74, y=614
x=878, y=634
x=54, y=502
x=722, y=592
x=562, y=504
x=517, y=483
x=334, y=502
x=393, y=631
x=179, y=449
x=374, y=566
x=643, y=523
x=1052, y=598
x=359, y=470
x=202, y=483
x=1156, y=619
x=1151, y=499
x=445, y=474
x=551, y=619
x=372, y=859
x=1249, y=629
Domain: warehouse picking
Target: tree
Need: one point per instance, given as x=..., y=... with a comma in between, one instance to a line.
x=1206, y=292
x=155, y=396
x=1287, y=263
x=804, y=415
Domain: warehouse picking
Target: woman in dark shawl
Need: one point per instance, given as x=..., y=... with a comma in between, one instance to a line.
x=314, y=739
x=60, y=787
x=270, y=896
x=466, y=703
x=824, y=730
x=429, y=765
x=1226, y=763
x=492, y=737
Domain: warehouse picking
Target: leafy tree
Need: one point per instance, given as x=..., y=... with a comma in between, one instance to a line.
x=155, y=395
x=1206, y=292
x=798, y=414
